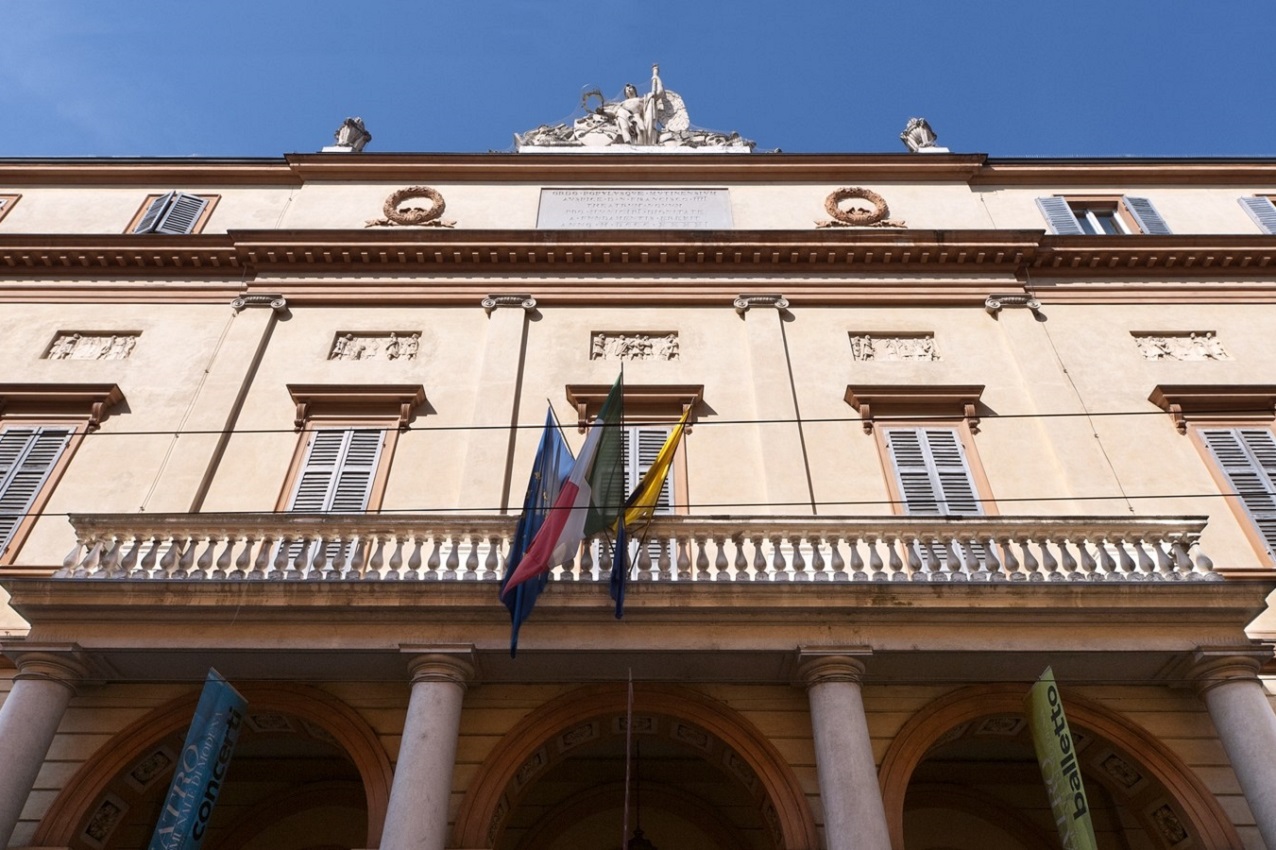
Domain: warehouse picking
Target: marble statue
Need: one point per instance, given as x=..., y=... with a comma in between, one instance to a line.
x=918, y=137
x=352, y=135
x=657, y=118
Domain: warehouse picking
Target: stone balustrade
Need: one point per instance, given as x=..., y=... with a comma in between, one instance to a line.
x=384, y=547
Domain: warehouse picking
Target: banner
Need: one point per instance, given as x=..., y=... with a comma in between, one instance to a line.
x=1052, y=739
x=201, y=768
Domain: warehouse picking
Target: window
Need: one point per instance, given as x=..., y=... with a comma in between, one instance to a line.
x=339, y=470
x=348, y=438
x=42, y=425
x=6, y=204
x=1069, y=215
x=1262, y=211
x=28, y=456
x=1231, y=425
x=1247, y=458
x=931, y=472
x=173, y=213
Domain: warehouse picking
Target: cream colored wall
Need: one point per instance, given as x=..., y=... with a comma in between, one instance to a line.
x=98, y=209
x=323, y=204
x=1186, y=210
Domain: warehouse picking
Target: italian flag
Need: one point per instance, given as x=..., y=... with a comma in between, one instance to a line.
x=591, y=499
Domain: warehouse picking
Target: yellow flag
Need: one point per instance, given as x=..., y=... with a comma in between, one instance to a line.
x=641, y=504
x=1052, y=739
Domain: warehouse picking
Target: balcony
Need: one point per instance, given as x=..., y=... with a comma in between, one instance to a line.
x=417, y=547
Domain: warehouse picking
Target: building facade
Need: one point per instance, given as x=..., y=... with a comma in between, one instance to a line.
x=954, y=419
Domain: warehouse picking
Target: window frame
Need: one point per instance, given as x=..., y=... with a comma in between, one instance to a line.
x=77, y=407
x=657, y=405
x=974, y=465
x=389, y=427
x=1263, y=216
x=200, y=222
x=387, y=407
x=1247, y=522
x=8, y=201
x=1084, y=207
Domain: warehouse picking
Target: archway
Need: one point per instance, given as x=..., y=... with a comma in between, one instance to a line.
x=705, y=774
x=955, y=760
x=304, y=755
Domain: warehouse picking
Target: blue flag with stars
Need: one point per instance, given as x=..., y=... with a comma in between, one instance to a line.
x=550, y=469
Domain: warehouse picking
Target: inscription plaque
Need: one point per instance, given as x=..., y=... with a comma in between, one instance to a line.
x=634, y=209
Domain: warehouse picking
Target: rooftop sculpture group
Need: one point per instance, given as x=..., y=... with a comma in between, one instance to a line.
x=655, y=119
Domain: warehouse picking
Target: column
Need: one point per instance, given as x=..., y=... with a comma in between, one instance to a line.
x=854, y=817
x=417, y=814
x=781, y=445
x=488, y=456
x=1228, y=683
x=29, y=719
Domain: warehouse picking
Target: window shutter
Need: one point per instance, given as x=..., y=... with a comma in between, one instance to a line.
x=1247, y=457
x=930, y=467
x=27, y=456
x=1263, y=211
x=648, y=443
x=182, y=214
x=1059, y=216
x=338, y=471
x=1148, y=219
x=152, y=215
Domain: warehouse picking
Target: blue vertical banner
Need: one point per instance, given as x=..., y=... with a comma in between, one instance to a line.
x=201, y=768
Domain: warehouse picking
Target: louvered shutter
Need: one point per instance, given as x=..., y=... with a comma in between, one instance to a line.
x=1148, y=219
x=1263, y=211
x=641, y=445
x=1247, y=457
x=182, y=214
x=27, y=456
x=931, y=470
x=152, y=215
x=338, y=472
x=1059, y=216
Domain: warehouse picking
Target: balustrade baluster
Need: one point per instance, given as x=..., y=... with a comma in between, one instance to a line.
x=1206, y=567
x=244, y=561
x=1030, y=564
x=110, y=559
x=918, y=561
x=858, y=572
x=492, y=563
x=991, y=562
x=1128, y=569
x=953, y=566
x=1049, y=564
x=759, y=567
x=1106, y=561
x=779, y=566
x=225, y=560
x=721, y=566
x=1164, y=566
x=311, y=568
x=471, y=560
x=355, y=558
x=432, y=563
x=1067, y=563
x=741, y=563
x=1088, y=565
x=453, y=564
x=130, y=557
x=394, y=565
x=186, y=559
x=819, y=570
x=837, y=566
x=971, y=564
x=702, y=558
x=377, y=563
x=602, y=569
x=800, y=573
x=1013, y=571
x=673, y=568
x=643, y=564
x=1146, y=566
x=900, y=571
x=68, y=563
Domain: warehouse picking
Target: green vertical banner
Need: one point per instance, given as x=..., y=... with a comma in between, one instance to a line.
x=1052, y=739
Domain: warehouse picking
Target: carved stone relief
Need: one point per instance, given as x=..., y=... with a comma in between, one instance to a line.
x=1194, y=345
x=108, y=815
x=385, y=345
x=1169, y=825
x=92, y=346
x=623, y=345
x=853, y=216
x=413, y=216
x=900, y=347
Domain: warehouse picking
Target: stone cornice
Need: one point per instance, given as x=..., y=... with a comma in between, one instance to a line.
x=974, y=168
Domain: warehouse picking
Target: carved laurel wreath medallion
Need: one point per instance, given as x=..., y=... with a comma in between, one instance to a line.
x=413, y=216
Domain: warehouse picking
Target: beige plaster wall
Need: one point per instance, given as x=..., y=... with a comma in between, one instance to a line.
x=98, y=209
x=513, y=205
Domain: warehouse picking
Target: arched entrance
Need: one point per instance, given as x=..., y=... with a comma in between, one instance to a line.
x=707, y=778
x=308, y=773
x=962, y=774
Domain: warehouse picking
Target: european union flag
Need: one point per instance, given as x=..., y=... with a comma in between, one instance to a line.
x=550, y=469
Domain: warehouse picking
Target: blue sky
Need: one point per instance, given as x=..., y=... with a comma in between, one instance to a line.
x=1004, y=77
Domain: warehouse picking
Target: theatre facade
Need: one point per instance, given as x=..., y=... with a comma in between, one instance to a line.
x=954, y=419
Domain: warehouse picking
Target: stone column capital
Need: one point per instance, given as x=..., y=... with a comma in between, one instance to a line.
x=62, y=668
x=1212, y=667
x=441, y=664
x=817, y=666
x=496, y=300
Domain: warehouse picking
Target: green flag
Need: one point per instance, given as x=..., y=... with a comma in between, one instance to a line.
x=1052, y=739
x=607, y=477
